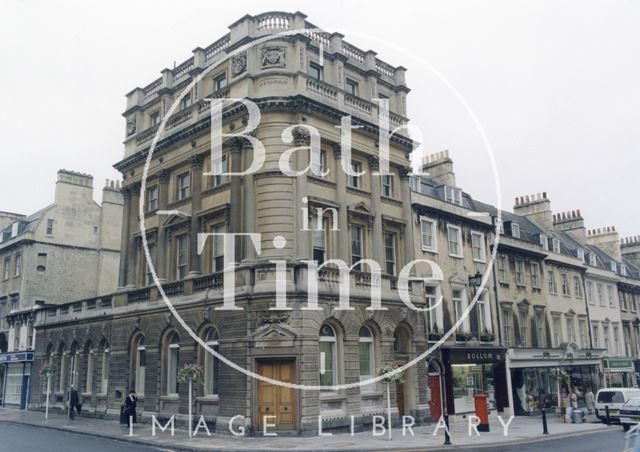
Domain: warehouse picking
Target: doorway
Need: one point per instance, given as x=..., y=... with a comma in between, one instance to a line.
x=276, y=405
x=435, y=404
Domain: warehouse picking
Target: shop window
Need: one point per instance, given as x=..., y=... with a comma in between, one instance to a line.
x=469, y=380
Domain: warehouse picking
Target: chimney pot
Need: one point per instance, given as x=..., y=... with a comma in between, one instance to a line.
x=544, y=194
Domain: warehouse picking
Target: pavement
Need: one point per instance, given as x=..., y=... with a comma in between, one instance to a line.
x=523, y=430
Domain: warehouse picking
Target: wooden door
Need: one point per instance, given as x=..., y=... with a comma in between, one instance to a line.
x=435, y=404
x=400, y=398
x=274, y=400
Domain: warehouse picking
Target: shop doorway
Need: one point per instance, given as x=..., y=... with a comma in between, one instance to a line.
x=435, y=404
x=276, y=404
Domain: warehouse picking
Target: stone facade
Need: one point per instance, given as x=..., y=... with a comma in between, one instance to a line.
x=67, y=251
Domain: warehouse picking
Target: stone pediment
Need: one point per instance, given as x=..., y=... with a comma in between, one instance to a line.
x=458, y=280
x=274, y=331
x=175, y=219
x=361, y=209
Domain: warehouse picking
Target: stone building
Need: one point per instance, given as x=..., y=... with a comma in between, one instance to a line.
x=450, y=234
x=129, y=340
x=67, y=250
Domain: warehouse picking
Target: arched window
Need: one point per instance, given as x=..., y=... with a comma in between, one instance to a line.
x=211, y=364
x=62, y=357
x=104, y=367
x=88, y=380
x=328, y=356
x=401, y=342
x=139, y=354
x=74, y=357
x=367, y=357
x=172, y=354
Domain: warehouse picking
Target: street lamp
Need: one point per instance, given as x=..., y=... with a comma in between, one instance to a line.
x=475, y=280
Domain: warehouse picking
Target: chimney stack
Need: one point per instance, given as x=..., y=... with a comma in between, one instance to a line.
x=73, y=187
x=607, y=239
x=537, y=208
x=439, y=168
x=630, y=249
x=572, y=223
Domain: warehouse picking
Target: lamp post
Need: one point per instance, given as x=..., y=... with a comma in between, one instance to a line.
x=445, y=413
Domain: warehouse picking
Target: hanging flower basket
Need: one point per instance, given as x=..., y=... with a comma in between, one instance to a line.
x=191, y=372
x=397, y=377
x=47, y=370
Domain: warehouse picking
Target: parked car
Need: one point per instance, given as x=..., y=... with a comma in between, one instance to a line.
x=614, y=399
x=630, y=413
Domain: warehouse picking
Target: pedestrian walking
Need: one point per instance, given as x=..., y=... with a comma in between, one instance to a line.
x=130, y=408
x=590, y=400
x=574, y=400
x=74, y=401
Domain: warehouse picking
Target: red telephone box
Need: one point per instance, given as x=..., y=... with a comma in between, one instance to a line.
x=482, y=411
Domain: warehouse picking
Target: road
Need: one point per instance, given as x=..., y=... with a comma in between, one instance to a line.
x=23, y=438
x=610, y=441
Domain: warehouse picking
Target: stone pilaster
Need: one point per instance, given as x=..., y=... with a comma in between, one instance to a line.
x=124, y=244
x=377, y=242
x=196, y=205
x=134, y=225
x=161, y=245
x=407, y=214
x=344, y=242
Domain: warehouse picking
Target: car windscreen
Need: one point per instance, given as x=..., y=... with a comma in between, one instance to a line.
x=610, y=397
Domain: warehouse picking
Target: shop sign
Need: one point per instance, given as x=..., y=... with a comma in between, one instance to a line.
x=618, y=363
x=15, y=357
x=474, y=356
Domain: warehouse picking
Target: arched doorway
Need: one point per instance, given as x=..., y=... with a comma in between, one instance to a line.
x=435, y=371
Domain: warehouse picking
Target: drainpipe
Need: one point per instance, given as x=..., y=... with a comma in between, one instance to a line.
x=495, y=292
x=586, y=305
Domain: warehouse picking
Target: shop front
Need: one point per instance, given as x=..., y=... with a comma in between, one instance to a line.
x=17, y=374
x=469, y=371
x=619, y=373
x=552, y=374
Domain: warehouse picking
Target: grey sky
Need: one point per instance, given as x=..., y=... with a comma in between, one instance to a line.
x=555, y=85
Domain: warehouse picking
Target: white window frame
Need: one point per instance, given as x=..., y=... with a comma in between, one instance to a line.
x=180, y=255
x=556, y=245
x=544, y=242
x=458, y=241
x=592, y=259
x=372, y=363
x=334, y=352
x=453, y=195
x=210, y=365
x=520, y=273
x=577, y=287
x=152, y=201
x=88, y=381
x=433, y=226
x=515, y=230
x=503, y=269
x=482, y=248
x=386, y=185
x=536, y=282
x=390, y=260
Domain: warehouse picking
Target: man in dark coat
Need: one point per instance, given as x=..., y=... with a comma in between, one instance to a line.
x=74, y=401
x=130, y=407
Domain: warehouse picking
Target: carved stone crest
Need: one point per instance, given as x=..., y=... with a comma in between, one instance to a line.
x=273, y=317
x=238, y=64
x=273, y=57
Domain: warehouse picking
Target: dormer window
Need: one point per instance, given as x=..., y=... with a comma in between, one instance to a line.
x=544, y=242
x=453, y=195
x=515, y=230
x=500, y=226
x=592, y=259
x=614, y=267
x=556, y=245
x=581, y=255
x=623, y=270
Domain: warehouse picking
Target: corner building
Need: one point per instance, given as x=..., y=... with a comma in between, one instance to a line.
x=132, y=341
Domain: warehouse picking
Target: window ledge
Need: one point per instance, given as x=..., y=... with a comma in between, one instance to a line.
x=371, y=395
x=332, y=397
x=170, y=398
x=208, y=399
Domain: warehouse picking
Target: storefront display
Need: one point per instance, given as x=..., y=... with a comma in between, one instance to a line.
x=471, y=371
x=619, y=373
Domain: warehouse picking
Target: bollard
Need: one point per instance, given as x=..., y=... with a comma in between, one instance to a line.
x=447, y=440
x=545, y=431
x=607, y=419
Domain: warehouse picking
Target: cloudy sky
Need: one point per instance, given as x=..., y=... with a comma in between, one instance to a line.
x=553, y=84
